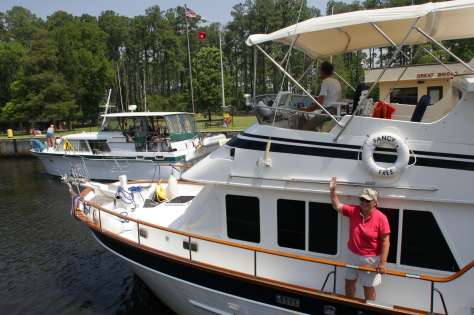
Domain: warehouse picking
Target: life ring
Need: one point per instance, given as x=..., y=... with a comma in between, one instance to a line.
x=386, y=139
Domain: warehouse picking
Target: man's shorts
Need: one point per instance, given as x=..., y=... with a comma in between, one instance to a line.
x=367, y=279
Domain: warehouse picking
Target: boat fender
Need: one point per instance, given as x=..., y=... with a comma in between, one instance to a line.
x=385, y=139
x=160, y=192
x=172, y=189
x=67, y=146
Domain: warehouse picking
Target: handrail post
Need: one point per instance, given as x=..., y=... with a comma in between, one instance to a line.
x=189, y=247
x=255, y=263
x=100, y=221
x=138, y=233
x=327, y=278
x=442, y=300
x=432, y=297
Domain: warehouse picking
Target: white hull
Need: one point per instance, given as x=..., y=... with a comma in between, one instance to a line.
x=106, y=169
x=186, y=298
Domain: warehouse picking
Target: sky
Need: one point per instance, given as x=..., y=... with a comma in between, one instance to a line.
x=212, y=10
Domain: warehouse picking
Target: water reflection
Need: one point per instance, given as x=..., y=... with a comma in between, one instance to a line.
x=50, y=263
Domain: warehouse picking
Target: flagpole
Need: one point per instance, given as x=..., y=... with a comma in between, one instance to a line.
x=222, y=70
x=144, y=83
x=189, y=60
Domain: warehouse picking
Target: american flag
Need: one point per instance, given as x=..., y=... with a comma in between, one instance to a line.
x=190, y=13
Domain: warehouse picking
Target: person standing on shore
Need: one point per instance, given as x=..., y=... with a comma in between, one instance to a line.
x=369, y=240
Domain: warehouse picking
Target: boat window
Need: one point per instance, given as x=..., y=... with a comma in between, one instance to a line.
x=404, y=95
x=294, y=119
x=98, y=146
x=181, y=126
x=79, y=145
x=392, y=216
x=188, y=124
x=291, y=223
x=290, y=113
x=174, y=124
x=243, y=218
x=423, y=244
x=435, y=93
x=113, y=124
x=322, y=228
x=300, y=101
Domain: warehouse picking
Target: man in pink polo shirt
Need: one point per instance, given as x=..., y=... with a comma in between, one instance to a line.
x=369, y=240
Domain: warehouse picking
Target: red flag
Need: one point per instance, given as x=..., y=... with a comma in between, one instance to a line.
x=202, y=35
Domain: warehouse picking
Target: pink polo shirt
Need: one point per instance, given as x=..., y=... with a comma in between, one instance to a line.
x=365, y=234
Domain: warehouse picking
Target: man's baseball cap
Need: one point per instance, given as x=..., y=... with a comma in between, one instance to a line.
x=369, y=194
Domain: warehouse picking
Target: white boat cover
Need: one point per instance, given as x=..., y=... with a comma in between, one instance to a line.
x=142, y=114
x=341, y=33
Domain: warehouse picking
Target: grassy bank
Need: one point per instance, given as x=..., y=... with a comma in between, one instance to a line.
x=239, y=123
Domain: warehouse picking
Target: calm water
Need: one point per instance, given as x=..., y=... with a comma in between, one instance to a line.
x=49, y=262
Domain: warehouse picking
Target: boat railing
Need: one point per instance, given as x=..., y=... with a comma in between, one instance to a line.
x=242, y=259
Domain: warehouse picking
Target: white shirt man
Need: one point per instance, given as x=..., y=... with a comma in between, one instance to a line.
x=330, y=88
x=330, y=91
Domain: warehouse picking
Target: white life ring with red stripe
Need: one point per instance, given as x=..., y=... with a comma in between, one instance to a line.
x=385, y=139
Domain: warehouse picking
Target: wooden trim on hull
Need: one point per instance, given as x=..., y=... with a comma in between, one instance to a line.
x=329, y=262
x=311, y=298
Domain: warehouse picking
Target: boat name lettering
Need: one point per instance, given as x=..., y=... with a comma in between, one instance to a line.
x=387, y=172
x=286, y=300
x=385, y=139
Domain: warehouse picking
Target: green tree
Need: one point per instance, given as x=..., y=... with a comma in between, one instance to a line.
x=11, y=54
x=82, y=60
x=208, y=79
x=39, y=93
x=21, y=24
x=117, y=29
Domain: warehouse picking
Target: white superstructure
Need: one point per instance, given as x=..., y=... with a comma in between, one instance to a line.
x=252, y=231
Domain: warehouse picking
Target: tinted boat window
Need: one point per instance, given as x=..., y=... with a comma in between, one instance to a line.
x=392, y=216
x=423, y=244
x=98, y=146
x=404, y=95
x=322, y=228
x=291, y=223
x=243, y=218
x=79, y=145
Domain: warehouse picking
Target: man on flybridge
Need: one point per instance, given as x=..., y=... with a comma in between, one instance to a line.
x=330, y=88
x=329, y=93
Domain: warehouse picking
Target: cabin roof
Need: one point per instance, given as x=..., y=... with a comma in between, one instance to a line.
x=346, y=32
x=143, y=114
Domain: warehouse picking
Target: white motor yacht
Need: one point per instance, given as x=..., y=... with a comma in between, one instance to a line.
x=143, y=145
x=251, y=230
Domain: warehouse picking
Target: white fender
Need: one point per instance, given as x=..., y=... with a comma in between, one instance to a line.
x=386, y=139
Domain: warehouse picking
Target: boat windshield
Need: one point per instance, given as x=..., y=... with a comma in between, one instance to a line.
x=294, y=119
x=290, y=113
x=181, y=126
x=113, y=124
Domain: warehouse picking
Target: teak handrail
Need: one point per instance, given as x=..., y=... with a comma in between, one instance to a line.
x=323, y=261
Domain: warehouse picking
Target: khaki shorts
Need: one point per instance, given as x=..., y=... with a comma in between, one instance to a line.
x=367, y=279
